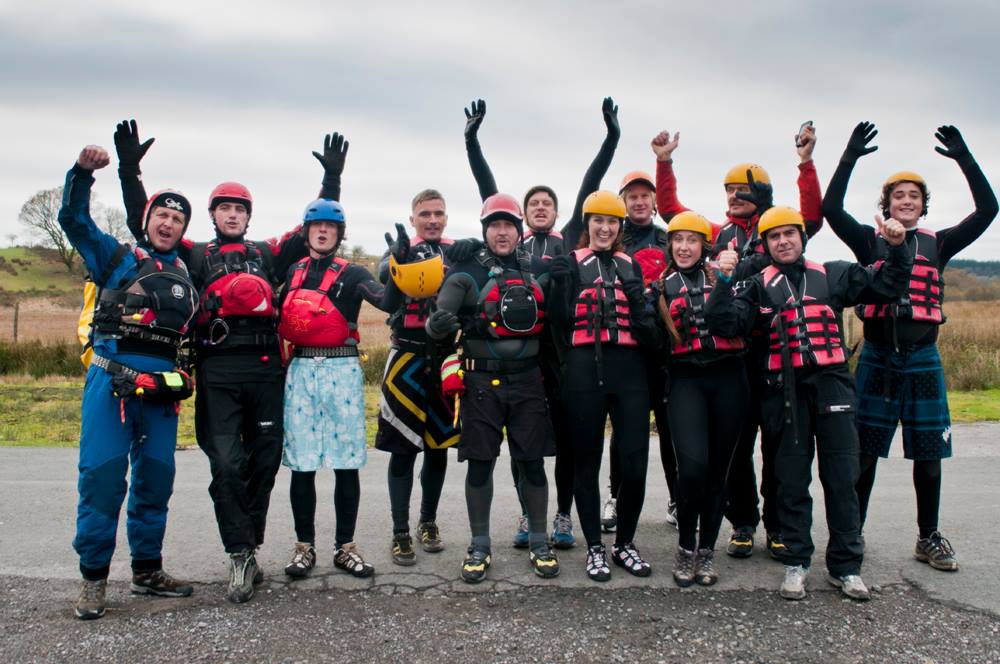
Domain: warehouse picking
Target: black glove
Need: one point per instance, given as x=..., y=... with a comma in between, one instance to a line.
x=760, y=194
x=400, y=247
x=560, y=268
x=473, y=118
x=441, y=323
x=611, y=117
x=857, y=145
x=954, y=145
x=463, y=250
x=130, y=150
x=334, y=155
x=633, y=289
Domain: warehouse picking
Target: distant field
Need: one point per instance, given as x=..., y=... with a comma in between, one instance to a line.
x=23, y=269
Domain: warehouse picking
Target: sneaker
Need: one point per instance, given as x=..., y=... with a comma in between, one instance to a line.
x=672, y=514
x=776, y=545
x=475, y=565
x=402, y=550
x=937, y=552
x=627, y=556
x=704, y=568
x=794, y=585
x=851, y=585
x=303, y=560
x=562, y=531
x=684, y=567
x=741, y=542
x=609, y=516
x=597, y=563
x=159, y=583
x=544, y=562
x=349, y=559
x=430, y=537
x=521, y=536
x=243, y=574
x=90, y=604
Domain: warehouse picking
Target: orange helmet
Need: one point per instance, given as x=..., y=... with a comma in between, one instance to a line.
x=636, y=177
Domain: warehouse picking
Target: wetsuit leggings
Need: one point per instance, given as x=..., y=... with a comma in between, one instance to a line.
x=432, y=474
x=926, y=483
x=533, y=492
x=346, y=498
x=564, y=455
x=707, y=407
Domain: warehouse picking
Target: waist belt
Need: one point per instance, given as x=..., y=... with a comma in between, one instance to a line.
x=499, y=366
x=403, y=342
x=113, y=367
x=319, y=351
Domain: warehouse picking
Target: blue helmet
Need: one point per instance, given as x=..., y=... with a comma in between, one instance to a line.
x=324, y=209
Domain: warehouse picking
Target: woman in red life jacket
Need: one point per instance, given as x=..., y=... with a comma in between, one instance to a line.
x=899, y=377
x=598, y=304
x=707, y=396
x=324, y=414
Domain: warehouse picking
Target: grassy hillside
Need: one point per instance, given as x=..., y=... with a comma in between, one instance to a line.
x=35, y=272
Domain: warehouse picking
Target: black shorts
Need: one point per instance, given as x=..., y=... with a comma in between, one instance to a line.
x=494, y=402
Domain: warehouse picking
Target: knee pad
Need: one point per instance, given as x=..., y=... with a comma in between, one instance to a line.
x=533, y=472
x=480, y=473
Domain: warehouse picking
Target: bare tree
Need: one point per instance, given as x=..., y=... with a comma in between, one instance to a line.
x=115, y=226
x=40, y=216
x=358, y=253
x=12, y=238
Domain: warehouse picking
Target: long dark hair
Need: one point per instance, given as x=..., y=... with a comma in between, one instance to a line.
x=661, y=303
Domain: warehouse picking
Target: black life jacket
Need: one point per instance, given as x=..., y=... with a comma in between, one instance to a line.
x=685, y=302
x=600, y=309
x=803, y=322
x=925, y=294
x=734, y=236
x=544, y=245
x=510, y=303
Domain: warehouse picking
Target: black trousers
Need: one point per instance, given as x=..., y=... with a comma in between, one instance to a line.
x=238, y=424
x=824, y=415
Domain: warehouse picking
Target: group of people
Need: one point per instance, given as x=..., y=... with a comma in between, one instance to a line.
x=528, y=333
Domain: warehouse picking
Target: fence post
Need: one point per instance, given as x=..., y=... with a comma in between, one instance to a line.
x=17, y=306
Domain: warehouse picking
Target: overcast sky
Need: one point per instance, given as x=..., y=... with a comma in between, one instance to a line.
x=245, y=91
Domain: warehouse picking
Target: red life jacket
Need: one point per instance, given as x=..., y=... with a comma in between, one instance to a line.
x=804, y=322
x=510, y=306
x=416, y=311
x=309, y=317
x=155, y=305
x=234, y=283
x=652, y=261
x=601, y=304
x=686, y=306
x=922, y=300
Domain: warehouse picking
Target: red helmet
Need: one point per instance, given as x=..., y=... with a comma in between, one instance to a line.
x=230, y=192
x=502, y=206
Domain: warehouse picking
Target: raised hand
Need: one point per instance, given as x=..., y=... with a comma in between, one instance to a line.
x=954, y=144
x=610, y=111
x=761, y=194
x=474, y=116
x=400, y=247
x=130, y=150
x=805, y=141
x=93, y=157
x=857, y=145
x=664, y=146
x=893, y=231
x=727, y=261
x=334, y=154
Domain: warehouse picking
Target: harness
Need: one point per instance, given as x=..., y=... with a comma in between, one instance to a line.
x=310, y=317
x=509, y=306
x=925, y=293
x=685, y=302
x=236, y=284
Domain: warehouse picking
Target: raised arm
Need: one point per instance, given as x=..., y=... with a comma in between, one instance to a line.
x=94, y=245
x=332, y=159
x=667, y=203
x=882, y=282
x=130, y=153
x=858, y=237
x=810, y=196
x=474, y=116
x=592, y=178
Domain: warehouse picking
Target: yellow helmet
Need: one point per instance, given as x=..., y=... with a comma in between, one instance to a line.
x=738, y=174
x=904, y=176
x=419, y=279
x=691, y=221
x=604, y=202
x=780, y=216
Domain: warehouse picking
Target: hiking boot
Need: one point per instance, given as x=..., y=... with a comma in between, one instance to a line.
x=794, y=585
x=475, y=565
x=776, y=545
x=402, y=550
x=597, y=563
x=521, y=536
x=704, y=568
x=90, y=604
x=672, y=514
x=609, y=516
x=544, y=562
x=430, y=537
x=303, y=560
x=684, y=567
x=349, y=559
x=562, y=531
x=937, y=552
x=627, y=556
x=159, y=583
x=741, y=542
x=851, y=585
x=243, y=574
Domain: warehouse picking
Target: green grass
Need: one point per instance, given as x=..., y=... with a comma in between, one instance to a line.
x=979, y=406
x=24, y=270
